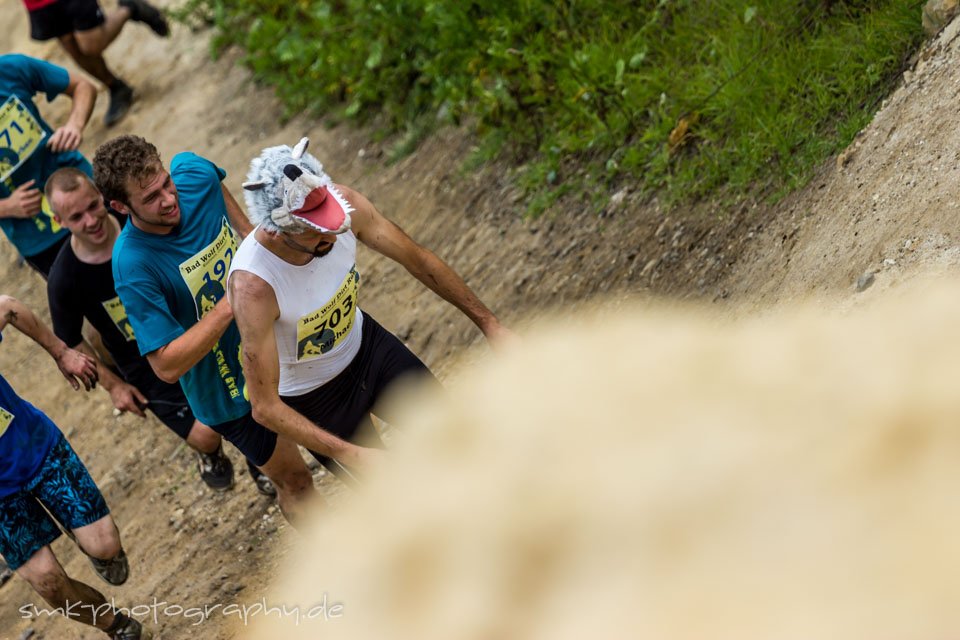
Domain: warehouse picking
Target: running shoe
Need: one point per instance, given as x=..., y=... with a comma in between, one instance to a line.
x=264, y=484
x=127, y=628
x=113, y=571
x=143, y=11
x=121, y=97
x=216, y=470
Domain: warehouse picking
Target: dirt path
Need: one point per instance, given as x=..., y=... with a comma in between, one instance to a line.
x=893, y=200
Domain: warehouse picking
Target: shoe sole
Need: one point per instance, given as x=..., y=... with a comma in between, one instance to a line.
x=105, y=579
x=219, y=489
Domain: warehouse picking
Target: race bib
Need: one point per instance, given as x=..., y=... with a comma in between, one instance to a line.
x=118, y=314
x=5, y=419
x=20, y=135
x=45, y=220
x=206, y=272
x=320, y=331
x=204, y=275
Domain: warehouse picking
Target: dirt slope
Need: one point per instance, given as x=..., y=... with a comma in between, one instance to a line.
x=193, y=548
x=888, y=205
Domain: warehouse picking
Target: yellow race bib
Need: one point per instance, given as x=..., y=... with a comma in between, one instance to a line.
x=205, y=275
x=5, y=419
x=118, y=314
x=20, y=136
x=320, y=331
x=206, y=272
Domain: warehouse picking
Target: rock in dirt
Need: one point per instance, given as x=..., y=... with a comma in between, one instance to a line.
x=937, y=13
x=864, y=281
x=617, y=199
x=649, y=267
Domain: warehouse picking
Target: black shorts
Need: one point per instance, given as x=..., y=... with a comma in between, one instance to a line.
x=343, y=405
x=167, y=401
x=63, y=17
x=253, y=439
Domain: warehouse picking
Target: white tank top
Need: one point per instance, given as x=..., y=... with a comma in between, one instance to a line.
x=318, y=331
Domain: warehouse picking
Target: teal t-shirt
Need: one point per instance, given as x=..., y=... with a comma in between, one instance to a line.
x=23, y=139
x=168, y=282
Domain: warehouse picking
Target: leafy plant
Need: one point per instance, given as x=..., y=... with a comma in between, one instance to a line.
x=679, y=97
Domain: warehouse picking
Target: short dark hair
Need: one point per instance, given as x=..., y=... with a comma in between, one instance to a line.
x=120, y=159
x=65, y=179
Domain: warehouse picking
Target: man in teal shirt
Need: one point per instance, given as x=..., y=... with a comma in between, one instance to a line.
x=30, y=151
x=169, y=266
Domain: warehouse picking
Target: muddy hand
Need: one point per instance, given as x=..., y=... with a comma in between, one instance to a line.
x=126, y=397
x=78, y=369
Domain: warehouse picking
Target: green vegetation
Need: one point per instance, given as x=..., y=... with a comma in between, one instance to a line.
x=765, y=88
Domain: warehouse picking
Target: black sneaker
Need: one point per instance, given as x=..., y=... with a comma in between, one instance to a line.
x=114, y=571
x=121, y=97
x=143, y=11
x=216, y=470
x=127, y=628
x=264, y=484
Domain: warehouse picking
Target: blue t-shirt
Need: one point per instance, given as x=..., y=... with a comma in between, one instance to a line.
x=26, y=437
x=168, y=282
x=23, y=139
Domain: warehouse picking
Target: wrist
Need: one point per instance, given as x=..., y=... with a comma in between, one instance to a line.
x=57, y=350
x=347, y=453
x=224, y=309
x=107, y=380
x=488, y=324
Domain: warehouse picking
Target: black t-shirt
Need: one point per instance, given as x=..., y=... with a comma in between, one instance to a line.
x=77, y=290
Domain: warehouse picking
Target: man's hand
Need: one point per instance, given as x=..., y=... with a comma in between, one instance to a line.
x=24, y=202
x=501, y=337
x=126, y=397
x=78, y=368
x=66, y=138
x=364, y=459
x=171, y=361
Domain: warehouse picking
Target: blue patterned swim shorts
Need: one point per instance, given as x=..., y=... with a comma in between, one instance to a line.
x=63, y=489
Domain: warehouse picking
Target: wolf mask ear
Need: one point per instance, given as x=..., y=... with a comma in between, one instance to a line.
x=300, y=149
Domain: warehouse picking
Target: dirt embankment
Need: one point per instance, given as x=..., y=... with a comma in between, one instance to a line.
x=892, y=200
x=887, y=206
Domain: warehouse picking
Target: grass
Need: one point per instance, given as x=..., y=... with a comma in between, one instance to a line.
x=588, y=93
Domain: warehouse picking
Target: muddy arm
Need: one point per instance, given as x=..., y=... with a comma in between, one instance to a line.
x=387, y=238
x=76, y=367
